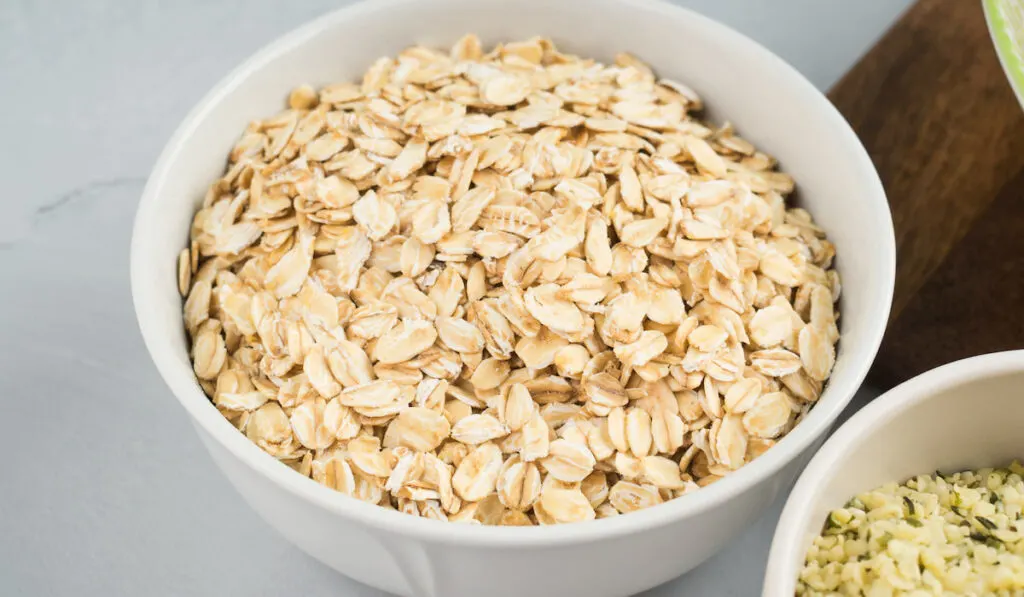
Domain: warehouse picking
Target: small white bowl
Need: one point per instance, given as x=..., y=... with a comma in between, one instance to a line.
x=964, y=415
x=770, y=103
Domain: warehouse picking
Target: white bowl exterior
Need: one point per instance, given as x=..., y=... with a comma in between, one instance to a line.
x=965, y=415
x=614, y=566
x=770, y=104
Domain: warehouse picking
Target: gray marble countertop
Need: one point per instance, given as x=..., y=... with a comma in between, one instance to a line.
x=105, y=488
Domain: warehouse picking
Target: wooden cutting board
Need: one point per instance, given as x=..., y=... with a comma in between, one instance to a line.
x=937, y=115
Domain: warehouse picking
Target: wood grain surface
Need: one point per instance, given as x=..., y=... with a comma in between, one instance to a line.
x=937, y=115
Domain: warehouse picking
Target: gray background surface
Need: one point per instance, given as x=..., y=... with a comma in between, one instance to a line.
x=104, y=488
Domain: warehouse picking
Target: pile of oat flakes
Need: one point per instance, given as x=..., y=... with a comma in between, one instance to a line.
x=516, y=287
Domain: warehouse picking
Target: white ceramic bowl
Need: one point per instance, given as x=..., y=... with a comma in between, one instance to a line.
x=769, y=102
x=964, y=415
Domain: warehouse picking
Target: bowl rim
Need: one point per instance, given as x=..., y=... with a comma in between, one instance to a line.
x=883, y=409
x=187, y=391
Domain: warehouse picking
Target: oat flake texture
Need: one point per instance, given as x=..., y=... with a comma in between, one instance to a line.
x=516, y=287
